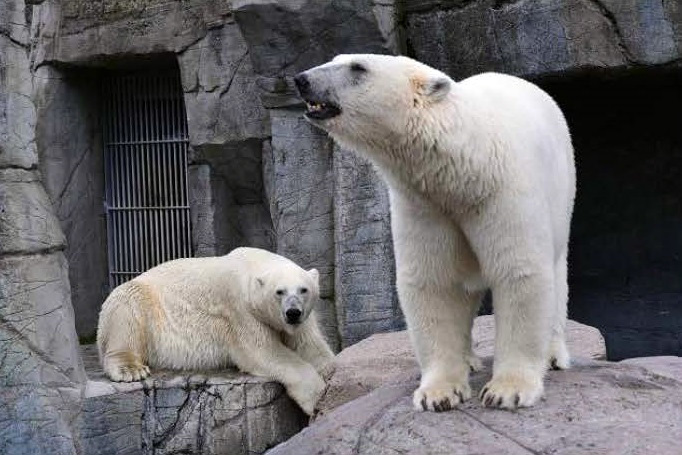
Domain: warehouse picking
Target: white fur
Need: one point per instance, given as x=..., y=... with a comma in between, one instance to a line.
x=482, y=181
x=206, y=313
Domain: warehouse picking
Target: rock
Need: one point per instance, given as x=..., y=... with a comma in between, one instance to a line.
x=198, y=412
x=594, y=407
x=72, y=168
x=299, y=171
x=41, y=374
x=285, y=38
x=388, y=358
x=89, y=32
x=27, y=223
x=364, y=283
x=533, y=38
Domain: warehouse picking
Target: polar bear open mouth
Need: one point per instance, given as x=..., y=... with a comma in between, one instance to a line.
x=321, y=110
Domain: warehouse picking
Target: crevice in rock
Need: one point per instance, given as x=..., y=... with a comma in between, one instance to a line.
x=613, y=24
x=32, y=167
x=14, y=40
x=37, y=252
x=497, y=432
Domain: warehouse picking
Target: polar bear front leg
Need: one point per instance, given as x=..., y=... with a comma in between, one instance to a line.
x=262, y=353
x=430, y=255
x=309, y=343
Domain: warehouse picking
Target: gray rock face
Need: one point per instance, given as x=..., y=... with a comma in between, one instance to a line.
x=594, y=407
x=72, y=169
x=40, y=373
x=299, y=172
x=533, y=38
x=285, y=38
x=207, y=413
x=366, y=301
x=89, y=31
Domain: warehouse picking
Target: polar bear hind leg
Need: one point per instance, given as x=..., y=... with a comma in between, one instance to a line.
x=559, y=358
x=121, y=334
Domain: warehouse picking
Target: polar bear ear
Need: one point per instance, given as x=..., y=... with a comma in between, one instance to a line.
x=434, y=88
x=314, y=274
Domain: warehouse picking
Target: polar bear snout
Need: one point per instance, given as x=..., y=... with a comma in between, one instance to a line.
x=293, y=310
x=293, y=315
x=302, y=83
x=317, y=97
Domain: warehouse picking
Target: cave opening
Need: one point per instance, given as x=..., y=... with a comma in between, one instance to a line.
x=625, y=263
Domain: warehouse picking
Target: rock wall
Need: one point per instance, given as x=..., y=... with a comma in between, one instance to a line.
x=41, y=374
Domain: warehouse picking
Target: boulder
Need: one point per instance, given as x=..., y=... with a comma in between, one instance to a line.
x=194, y=412
x=632, y=407
x=387, y=358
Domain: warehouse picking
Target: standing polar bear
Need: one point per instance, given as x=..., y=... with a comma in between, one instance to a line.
x=251, y=308
x=481, y=180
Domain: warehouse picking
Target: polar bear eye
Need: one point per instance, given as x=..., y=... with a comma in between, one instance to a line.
x=280, y=292
x=304, y=290
x=358, y=67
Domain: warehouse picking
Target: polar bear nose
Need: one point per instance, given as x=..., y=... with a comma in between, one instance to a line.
x=302, y=83
x=293, y=315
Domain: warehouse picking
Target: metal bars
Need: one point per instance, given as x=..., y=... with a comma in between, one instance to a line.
x=145, y=143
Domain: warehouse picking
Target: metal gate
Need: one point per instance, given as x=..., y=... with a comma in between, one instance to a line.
x=145, y=144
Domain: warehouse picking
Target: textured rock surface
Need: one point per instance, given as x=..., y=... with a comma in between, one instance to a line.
x=72, y=168
x=41, y=375
x=532, y=38
x=207, y=413
x=387, y=358
x=299, y=171
x=366, y=301
x=91, y=31
x=594, y=407
x=228, y=129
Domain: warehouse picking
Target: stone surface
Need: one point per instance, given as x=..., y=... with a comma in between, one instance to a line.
x=27, y=223
x=41, y=376
x=387, y=358
x=532, y=38
x=594, y=407
x=198, y=412
x=98, y=31
x=366, y=300
x=285, y=38
x=298, y=168
x=72, y=169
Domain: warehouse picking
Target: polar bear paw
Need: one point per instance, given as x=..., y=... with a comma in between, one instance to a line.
x=559, y=359
x=128, y=373
x=512, y=390
x=307, y=392
x=440, y=397
x=125, y=366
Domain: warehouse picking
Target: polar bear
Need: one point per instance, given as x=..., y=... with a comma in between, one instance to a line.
x=251, y=308
x=481, y=180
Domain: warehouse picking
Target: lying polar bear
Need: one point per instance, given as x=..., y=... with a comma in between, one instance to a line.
x=481, y=181
x=251, y=308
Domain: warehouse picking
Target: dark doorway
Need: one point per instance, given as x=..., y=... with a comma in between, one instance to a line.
x=626, y=249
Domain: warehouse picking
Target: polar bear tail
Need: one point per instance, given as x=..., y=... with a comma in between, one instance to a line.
x=122, y=334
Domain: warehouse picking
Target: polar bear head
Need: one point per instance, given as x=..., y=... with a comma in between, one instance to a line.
x=286, y=295
x=364, y=99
